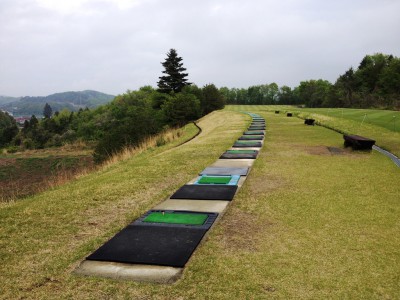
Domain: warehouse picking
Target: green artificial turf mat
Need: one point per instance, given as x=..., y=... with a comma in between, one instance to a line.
x=246, y=142
x=176, y=218
x=215, y=179
x=241, y=151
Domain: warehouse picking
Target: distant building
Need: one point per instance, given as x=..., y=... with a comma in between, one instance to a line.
x=21, y=120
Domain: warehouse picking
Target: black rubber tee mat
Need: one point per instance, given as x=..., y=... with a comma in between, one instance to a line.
x=251, y=137
x=224, y=171
x=254, y=132
x=205, y=192
x=238, y=156
x=249, y=145
x=153, y=245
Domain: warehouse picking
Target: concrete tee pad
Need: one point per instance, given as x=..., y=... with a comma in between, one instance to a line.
x=247, y=148
x=225, y=171
x=214, y=206
x=122, y=271
x=233, y=163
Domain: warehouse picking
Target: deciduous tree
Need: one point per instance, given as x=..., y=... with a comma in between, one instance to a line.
x=212, y=99
x=181, y=109
x=8, y=128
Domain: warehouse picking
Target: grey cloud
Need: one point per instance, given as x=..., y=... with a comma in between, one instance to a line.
x=230, y=43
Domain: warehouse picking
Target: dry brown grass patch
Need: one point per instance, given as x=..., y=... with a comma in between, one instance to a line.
x=328, y=151
x=77, y=148
x=240, y=231
x=317, y=150
x=264, y=184
x=150, y=142
x=7, y=162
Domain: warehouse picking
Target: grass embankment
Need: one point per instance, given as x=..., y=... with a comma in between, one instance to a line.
x=380, y=125
x=306, y=224
x=32, y=171
x=21, y=176
x=43, y=238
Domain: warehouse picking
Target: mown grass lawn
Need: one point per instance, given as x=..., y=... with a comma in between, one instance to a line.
x=388, y=119
x=307, y=223
x=380, y=125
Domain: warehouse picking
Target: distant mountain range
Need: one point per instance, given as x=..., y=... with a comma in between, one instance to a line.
x=73, y=101
x=5, y=99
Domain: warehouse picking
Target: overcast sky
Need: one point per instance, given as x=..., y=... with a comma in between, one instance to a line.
x=49, y=46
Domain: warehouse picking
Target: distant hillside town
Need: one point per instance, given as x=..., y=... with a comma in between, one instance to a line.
x=73, y=101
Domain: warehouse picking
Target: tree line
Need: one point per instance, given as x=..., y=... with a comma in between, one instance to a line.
x=374, y=84
x=126, y=121
x=134, y=115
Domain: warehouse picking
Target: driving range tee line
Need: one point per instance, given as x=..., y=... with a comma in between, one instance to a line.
x=157, y=246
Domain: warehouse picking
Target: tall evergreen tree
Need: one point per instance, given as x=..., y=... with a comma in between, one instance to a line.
x=47, y=111
x=175, y=78
x=33, y=122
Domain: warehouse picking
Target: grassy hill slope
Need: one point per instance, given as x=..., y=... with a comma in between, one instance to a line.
x=306, y=224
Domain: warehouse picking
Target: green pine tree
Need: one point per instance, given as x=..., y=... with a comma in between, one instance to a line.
x=175, y=78
x=47, y=111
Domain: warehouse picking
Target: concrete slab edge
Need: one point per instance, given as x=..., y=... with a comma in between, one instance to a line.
x=121, y=271
x=213, y=206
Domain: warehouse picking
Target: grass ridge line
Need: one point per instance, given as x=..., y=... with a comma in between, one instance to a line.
x=193, y=137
